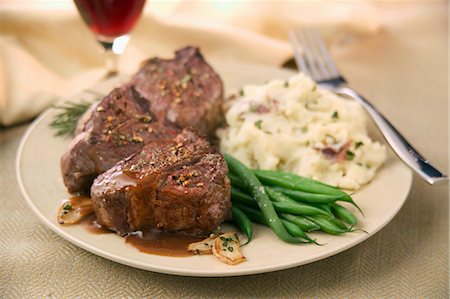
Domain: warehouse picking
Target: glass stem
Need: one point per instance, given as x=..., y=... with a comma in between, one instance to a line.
x=111, y=59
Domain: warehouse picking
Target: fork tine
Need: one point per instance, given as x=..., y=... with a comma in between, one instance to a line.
x=301, y=64
x=312, y=56
x=325, y=54
x=316, y=53
x=311, y=64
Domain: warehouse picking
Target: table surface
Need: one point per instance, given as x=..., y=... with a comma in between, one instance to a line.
x=408, y=81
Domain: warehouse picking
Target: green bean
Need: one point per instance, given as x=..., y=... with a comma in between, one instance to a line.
x=258, y=217
x=339, y=223
x=305, y=224
x=316, y=198
x=298, y=209
x=257, y=190
x=296, y=231
x=253, y=214
x=242, y=221
x=236, y=181
x=286, y=205
x=344, y=214
x=296, y=182
x=313, y=198
x=242, y=198
x=327, y=225
x=275, y=195
x=326, y=208
x=332, y=216
x=285, y=184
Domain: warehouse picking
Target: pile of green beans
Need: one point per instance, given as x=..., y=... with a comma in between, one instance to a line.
x=289, y=204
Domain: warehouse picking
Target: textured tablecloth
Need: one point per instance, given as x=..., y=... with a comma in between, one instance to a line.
x=403, y=70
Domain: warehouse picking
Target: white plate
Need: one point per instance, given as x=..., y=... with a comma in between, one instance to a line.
x=40, y=180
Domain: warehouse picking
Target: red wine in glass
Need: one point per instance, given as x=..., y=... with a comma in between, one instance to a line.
x=111, y=21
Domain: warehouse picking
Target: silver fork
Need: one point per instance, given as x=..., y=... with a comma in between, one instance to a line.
x=313, y=59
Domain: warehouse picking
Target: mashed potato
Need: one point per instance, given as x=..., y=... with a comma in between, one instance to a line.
x=297, y=127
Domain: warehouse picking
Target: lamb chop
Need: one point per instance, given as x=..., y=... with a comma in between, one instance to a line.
x=164, y=96
x=119, y=125
x=177, y=185
x=185, y=90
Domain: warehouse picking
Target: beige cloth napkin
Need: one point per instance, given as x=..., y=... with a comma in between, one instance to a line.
x=48, y=55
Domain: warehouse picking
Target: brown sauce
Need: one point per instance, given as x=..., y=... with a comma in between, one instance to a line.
x=150, y=241
x=91, y=225
x=159, y=243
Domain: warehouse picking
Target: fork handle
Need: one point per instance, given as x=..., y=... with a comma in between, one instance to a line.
x=397, y=142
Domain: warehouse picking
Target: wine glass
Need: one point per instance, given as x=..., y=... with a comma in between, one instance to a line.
x=111, y=21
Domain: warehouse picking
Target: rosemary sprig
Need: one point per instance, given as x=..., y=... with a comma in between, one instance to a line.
x=65, y=122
